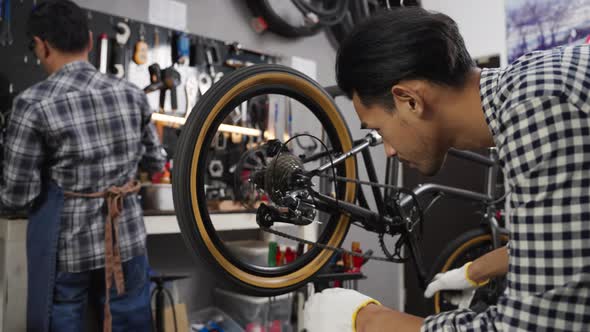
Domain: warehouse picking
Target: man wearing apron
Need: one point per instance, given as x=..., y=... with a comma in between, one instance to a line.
x=73, y=146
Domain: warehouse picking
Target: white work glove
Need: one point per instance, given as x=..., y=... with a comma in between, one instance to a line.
x=455, y=279
x=462, y=299
x=334, y=310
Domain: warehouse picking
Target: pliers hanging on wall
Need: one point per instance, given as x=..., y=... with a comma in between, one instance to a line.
x=166, y=79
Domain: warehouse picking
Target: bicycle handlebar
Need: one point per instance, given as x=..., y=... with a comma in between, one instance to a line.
x=472, y=156
x=437, y=188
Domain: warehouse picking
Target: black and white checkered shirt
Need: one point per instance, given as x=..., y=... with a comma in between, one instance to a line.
x=538, y=110
x=85, y=131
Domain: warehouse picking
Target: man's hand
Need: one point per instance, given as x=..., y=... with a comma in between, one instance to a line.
x=456, y=279
x=334, y=309
x=453, y=280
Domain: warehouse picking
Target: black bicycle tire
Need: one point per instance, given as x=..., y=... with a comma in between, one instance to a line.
x=277, y=24
x=451, y=249
x=183, y=199
x=341, y=30
x=358, y=12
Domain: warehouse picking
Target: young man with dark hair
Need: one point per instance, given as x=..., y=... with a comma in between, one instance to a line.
x=411, y=78
x=73, y=145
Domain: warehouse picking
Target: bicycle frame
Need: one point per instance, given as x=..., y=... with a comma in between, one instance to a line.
x=277, y=183
x=377, y=220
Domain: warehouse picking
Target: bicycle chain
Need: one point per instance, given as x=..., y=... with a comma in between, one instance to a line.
x=339, y=249
x=325, y=246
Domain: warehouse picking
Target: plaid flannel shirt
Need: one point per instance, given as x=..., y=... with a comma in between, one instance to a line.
x=538, y=110
x=85, y=131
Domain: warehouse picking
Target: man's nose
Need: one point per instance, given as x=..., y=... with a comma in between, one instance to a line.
x=389, y=150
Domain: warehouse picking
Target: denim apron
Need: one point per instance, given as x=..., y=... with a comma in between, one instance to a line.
x=42, y=240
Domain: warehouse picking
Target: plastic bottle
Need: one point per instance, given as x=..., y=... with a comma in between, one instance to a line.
x=272, y=254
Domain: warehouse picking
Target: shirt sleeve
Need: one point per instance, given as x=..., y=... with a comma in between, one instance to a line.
x=547, y=158
x=23, y=156
x=463, y=320
x=154, y=158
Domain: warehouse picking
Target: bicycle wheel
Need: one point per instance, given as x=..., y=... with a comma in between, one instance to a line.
x=360, y=10
x=283, y=18
x=201, y=215
x=467, y=247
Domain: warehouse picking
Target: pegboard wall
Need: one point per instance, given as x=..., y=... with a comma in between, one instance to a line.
x=20, y=69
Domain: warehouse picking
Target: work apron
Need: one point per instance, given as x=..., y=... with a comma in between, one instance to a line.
x=42, y=242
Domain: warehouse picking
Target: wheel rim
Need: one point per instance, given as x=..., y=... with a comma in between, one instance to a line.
x=475, y=242
x=310, y=268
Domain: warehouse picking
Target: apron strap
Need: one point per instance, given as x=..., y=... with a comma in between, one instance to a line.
x=113, y=266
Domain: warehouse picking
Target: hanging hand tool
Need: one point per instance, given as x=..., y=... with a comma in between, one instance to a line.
x=197, y=53
x=212, y=58
x=156, y=37
x=218, y=76
x=103, y=57
x=156, y=83
x=5, y=29
x=235, y=58
x=171, y=80
x=192, y=90
x=206, y=53
x=163, y=80
x=118, y=60
x=237, y=63
x=156, y=54
x=140, y=54
x=181, y=49
x=155, y=79
x=205, y=82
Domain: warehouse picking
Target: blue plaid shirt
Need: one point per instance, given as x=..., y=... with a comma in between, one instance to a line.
x=85, y=131
x=538, y=110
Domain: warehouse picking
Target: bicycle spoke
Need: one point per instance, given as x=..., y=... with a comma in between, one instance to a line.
x=224, y=175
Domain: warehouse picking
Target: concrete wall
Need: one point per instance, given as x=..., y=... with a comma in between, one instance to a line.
x=482, y=24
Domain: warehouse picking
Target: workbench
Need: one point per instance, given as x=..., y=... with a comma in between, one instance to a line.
x=13, y=263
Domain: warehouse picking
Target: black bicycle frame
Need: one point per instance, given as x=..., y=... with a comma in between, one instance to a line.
x=377, y=220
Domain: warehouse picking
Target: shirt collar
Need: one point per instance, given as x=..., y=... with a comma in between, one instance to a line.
x=488, y=89
x=75, y=66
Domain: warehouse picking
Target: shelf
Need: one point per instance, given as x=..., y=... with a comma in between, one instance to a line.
x=167, y=224
x=161, y=225
x=222, y=221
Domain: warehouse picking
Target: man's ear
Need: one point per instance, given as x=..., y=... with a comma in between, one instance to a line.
x=45, y=48
x=406, y=98
x=90, y=42
x=38, y=41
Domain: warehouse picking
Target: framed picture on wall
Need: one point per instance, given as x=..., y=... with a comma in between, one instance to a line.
x=544, y=24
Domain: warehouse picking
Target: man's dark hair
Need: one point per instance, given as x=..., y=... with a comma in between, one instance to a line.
x=61, y=23
x=401, y=44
